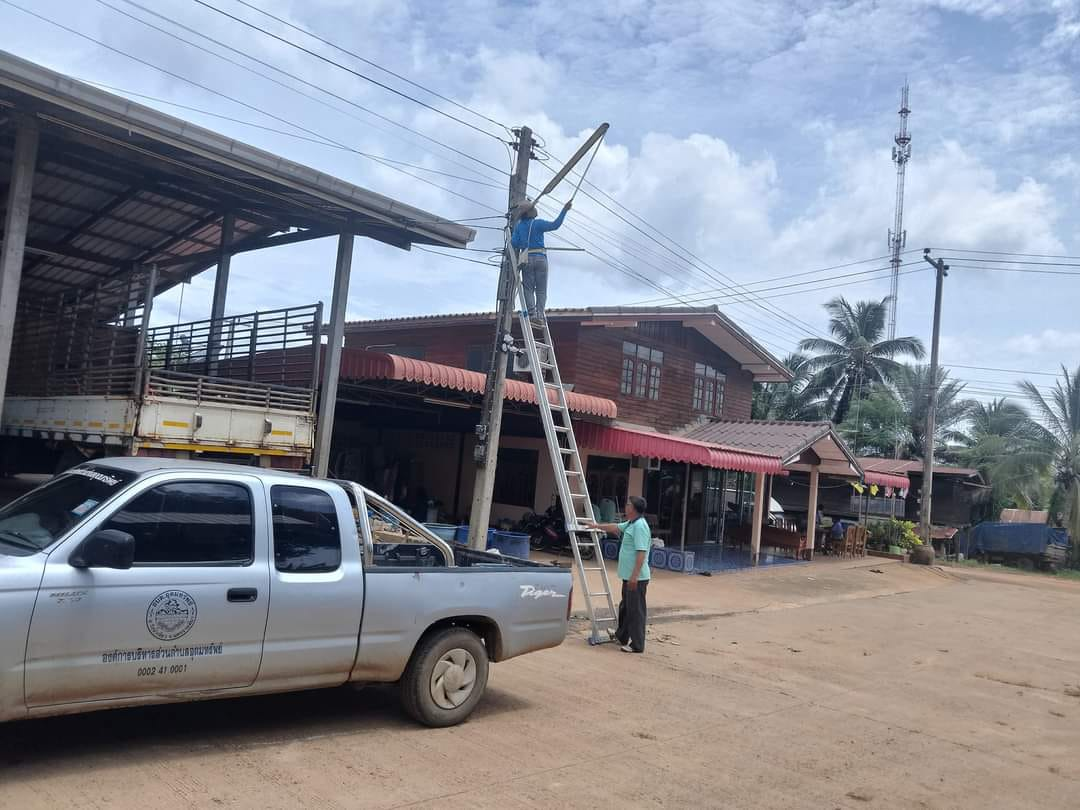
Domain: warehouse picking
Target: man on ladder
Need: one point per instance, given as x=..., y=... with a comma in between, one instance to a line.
x=528, y=234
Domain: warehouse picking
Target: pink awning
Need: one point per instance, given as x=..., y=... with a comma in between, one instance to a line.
x=886, y=480
x=359, y=364
x=626, y=441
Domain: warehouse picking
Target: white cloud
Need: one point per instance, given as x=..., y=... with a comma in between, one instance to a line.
x=1048, y=340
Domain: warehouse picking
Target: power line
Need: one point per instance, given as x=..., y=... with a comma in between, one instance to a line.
x=500, y=173
x=1005, y=370
x=358, y=74
x=952, y=264
x=354, y=55
x=1005, y=253
x=316, y=140
x=232, y=99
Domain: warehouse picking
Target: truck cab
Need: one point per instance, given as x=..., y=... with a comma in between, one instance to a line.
x=149, y=580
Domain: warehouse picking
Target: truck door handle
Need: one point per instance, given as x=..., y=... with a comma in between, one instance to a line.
x=242, y=594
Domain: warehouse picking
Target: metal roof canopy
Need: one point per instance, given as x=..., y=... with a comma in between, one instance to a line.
x=709, y=321
x=118, y=184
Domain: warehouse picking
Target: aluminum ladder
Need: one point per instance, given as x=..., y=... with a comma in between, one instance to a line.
x=569, y=472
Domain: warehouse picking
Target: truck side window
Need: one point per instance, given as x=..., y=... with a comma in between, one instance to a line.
x=188, y=523
x=306, y=535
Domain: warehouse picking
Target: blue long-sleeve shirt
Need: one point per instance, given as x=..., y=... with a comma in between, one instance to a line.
x=530, y=232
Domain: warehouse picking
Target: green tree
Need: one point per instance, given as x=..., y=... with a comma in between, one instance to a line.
x=795, y=401
x=856, y=358
x=1001, y=444
x=912, y=385
x=1056, y=430
x=876, y=425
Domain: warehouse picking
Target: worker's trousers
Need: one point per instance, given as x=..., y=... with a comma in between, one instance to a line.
x=534, y=278
x=632, y=616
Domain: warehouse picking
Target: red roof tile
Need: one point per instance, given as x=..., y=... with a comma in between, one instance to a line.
x=359, y=364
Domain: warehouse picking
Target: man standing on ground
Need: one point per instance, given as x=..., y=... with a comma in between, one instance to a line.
x=634, y=573
x=528, y=234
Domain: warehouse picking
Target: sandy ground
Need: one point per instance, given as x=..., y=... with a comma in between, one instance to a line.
x=831, y=685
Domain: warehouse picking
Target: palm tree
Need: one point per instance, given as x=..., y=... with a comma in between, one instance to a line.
x=912, y=385
x=1057, y=427
x=1002, y=445
x=795, y=401
x=857, y=358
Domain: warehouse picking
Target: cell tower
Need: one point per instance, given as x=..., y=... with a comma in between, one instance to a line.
x=901, y=154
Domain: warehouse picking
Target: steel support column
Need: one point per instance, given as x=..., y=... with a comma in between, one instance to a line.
x=758, y=518
x=221, y=284
x=16, y=220
x=811, y=510
x=331, y=366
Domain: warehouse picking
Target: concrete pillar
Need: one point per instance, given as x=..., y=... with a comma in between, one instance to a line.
x=758, y=518
x=331, y=367
x=16, y=220
x=221, y=285
x=811, y=513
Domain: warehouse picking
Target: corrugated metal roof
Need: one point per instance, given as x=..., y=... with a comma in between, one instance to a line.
x=360, y=364
x=712, y=321
x=906, y=466
x=118, y=183
x=627, y=441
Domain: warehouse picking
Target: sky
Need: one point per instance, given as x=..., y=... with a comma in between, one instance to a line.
x=749, y=150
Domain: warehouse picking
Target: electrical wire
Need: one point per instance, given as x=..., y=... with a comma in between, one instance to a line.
x=358, y=74
x=1015, y=270
x=308, y=32
x=316, y=140
x=227, y=97
x=1005, y=370
x=500, y=173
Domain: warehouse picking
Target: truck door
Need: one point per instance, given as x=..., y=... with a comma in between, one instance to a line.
x=190, y=614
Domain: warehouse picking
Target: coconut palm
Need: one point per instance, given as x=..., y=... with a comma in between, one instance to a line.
x=1056, y=426
x=857, y=357
x=1002, y=445
x=912, y=386
x=796, y=401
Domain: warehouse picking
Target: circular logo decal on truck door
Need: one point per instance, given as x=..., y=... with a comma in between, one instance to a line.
x=171, y=615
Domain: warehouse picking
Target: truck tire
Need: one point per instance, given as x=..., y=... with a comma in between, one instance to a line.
x=445, y=678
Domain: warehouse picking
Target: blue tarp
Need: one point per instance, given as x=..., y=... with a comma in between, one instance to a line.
x=1012, y=538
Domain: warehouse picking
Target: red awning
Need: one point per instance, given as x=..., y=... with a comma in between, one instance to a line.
x=672, y=448
x=886, y=480
x=359, y=364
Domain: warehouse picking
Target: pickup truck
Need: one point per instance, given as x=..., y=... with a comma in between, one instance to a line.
x=143, y=580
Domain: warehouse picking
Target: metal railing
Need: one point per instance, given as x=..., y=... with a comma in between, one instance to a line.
x=278, y=347
x=91, y=343
x=201, y=389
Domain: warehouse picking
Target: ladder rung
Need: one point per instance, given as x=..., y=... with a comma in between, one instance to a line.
x=562, y=428
x=578, y=495
x=599, y=568
x=572, y=472
x=569, y=450
x=600, y=593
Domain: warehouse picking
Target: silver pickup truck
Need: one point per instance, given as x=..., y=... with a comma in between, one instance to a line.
x=135, y=580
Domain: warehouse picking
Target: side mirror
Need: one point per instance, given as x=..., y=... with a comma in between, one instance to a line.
x=108, y=548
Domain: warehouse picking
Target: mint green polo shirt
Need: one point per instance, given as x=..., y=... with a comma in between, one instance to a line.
x=636, y=537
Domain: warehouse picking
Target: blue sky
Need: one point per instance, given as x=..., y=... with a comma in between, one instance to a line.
x=757, y=136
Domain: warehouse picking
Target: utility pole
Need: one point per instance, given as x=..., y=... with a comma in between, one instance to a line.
x=489, y=430
x=931, y=411
x=901, y=154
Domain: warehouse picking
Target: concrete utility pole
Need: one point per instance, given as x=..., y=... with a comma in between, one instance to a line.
x=490, y=428
x=931, y=411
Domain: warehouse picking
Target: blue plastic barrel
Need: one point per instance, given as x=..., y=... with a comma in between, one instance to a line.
x=443, y=531
x=511, y=544
x=461, y=535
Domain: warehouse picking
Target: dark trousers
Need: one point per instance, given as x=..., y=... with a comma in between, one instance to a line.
x=632, y=615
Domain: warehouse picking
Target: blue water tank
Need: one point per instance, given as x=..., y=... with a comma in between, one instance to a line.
x=510, y=544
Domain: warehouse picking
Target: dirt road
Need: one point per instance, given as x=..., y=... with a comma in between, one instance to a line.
x=821, y=686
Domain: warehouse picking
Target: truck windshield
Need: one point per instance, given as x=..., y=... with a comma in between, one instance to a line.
x=42, y=516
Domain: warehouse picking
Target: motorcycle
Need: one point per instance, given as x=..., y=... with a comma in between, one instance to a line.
x=548, y=531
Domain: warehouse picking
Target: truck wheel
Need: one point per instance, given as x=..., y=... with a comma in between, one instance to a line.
x=445, y=678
